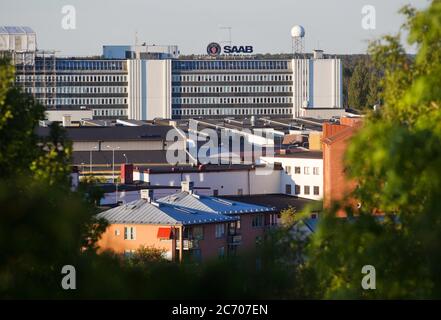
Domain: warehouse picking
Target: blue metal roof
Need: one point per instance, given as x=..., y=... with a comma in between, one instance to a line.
x=212, y=204
x=143, y=212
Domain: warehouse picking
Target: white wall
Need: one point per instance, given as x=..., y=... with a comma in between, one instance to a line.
x=326, y=83
x=149, y=83
x=301, y=179
x=317, y=83
x=226, y=182
x=75, y=115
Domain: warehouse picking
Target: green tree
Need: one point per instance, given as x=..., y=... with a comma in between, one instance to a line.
x=396, y=160
x=43, y=223
x=364, y=85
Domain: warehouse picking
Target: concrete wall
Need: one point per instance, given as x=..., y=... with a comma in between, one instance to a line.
x=149, y=93
x=326, y=83
x=317, y=83
x=318, y=113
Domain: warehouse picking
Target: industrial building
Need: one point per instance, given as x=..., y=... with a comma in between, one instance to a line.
x=143, y=82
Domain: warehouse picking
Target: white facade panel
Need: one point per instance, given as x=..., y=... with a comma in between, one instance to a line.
x=245, y=182
x=149, y=91
x=317, y=83
x=311, y=175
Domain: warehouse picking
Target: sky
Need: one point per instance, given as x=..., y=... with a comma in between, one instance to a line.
x=334, y=26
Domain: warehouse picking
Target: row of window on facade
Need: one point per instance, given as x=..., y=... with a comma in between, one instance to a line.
x=230, y=111
x=306, y=190
x=71, y=78
x=228, y=78
x=230, y=65
x=306, y=170
x=84, y=64
x=228, y=89
x=77, y=89
x=82, y=101
x=197, y=232
x=109, y=112
x=231, y=100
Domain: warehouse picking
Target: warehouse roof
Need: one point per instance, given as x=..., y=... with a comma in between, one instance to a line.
x=137, y=157
x=192, y=201
x=144, y=212
x=200, y=168
x=119, y=133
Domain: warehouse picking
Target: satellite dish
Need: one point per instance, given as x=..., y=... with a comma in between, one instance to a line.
x=298, y=31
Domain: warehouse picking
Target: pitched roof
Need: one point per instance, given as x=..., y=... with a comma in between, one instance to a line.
x=143, y=212
x=212, y=204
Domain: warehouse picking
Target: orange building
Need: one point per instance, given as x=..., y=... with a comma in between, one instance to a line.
x=185, y=225
x=336, y=136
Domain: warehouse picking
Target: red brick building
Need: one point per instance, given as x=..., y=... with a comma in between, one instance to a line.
x=336, y=185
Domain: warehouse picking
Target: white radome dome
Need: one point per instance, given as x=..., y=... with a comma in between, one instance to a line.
x=297, y=31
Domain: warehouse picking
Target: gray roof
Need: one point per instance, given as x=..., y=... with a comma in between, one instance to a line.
x=143, y=212
x=16, y=30
x=120, y=133
x=212, y=204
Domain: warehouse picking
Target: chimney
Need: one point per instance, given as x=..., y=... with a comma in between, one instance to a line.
x=318, y=54
x=147, y=194
x=187, y=186
x=67, y=120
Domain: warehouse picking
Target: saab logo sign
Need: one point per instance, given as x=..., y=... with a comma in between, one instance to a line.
x=214, y=49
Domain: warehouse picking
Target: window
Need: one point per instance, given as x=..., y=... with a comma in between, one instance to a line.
x=116, y=232
x=220, y=230
x=288, y=189
x=221, y=252
x=306, y=170
x=297, y=189
x=288, y=170
x=316, y=190
x=215, y=192
x=198, y=232
x=129, y=233
x=257, y=221
x=129, y=253
x=306, y=190
x=239, y=192
x=315, y=171
x=258, y=240
x=297, y=170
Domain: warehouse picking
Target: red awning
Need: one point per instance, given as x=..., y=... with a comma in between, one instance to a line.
x=164, y=233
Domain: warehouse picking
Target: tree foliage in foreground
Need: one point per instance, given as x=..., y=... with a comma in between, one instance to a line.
x=396, y=159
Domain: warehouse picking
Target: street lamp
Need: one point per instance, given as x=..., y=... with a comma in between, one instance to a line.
x=127, y=160
x=91, y=159
x=113, y=170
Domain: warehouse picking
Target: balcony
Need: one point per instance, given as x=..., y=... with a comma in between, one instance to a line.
x=235, y=239
x=187, y=244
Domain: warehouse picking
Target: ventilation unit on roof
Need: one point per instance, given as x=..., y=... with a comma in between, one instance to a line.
x=185, y=210
x=225, y=202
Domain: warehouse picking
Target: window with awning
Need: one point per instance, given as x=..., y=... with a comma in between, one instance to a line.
x=164, y=233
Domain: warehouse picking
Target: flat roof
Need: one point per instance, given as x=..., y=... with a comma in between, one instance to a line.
x=118, y=133
x=200, y=168
x=301, y=155
x=278, y=201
